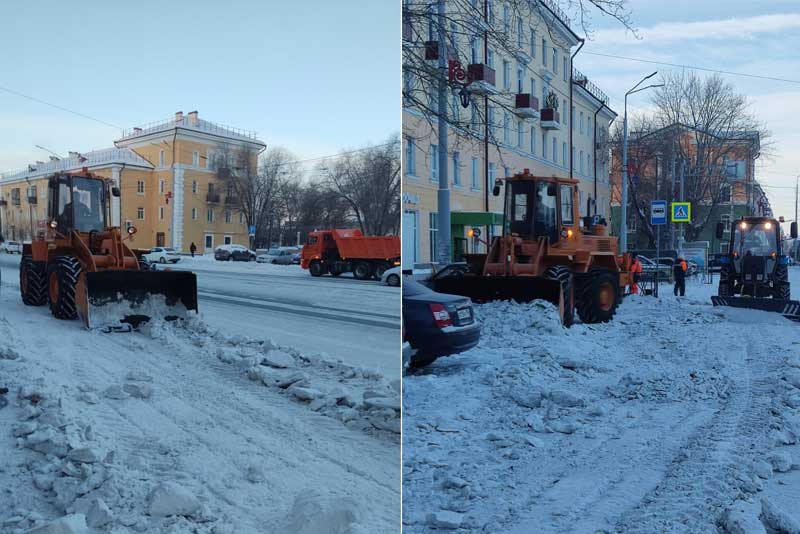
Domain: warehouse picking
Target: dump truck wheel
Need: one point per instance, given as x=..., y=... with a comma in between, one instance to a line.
x=63, y=276
x=315, y=268
x=33, y=281
x=598, y=298
x=564, y=275
x=380, y=268
x=362, y=270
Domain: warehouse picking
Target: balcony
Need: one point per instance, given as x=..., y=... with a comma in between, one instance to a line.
x=549, y=119
x=232, y=200
x=212, y=198
x=431, y=50
x=3, y=202
x=580, y=79
x=481, y=78
x=32, y=200
x=526, y=106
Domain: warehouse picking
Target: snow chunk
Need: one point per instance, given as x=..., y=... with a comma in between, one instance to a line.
x=445, y=519
x=313, y=513
x=565, y=398
x=742, y=518
x=69, y=524
x=781, y=461
x=84, y=455
x=279, y=359
x=139, y=391
x=778, y=519
x=99, y=514
x=115, y=392
x=169, y=498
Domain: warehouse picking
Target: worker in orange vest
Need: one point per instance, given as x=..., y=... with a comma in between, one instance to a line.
x=636, y=272
x=679, y=269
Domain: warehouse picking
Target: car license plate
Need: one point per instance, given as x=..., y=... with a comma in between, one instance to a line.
x=463, y=313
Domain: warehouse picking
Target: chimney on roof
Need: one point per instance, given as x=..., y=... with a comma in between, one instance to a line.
x=179, y=116
x=137, y=131
x=73, y=154
x=193, y=118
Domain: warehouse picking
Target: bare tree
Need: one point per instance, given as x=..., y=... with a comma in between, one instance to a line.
x=369, y=182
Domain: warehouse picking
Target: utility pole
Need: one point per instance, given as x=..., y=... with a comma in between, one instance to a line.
x=671, y=200
x=680, y=237
x=444, y=184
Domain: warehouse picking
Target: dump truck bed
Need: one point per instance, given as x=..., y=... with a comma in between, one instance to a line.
x=368, y=247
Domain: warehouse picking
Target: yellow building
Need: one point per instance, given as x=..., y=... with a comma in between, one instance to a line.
x=521, y=133
x=168, y=190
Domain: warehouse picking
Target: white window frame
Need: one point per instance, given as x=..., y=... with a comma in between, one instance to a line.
x=475, y=181
x=196, y=158
x=228, y=216
x=194, y=214
x=140, y=214
x=161, y=184
x=161, y=159
x=161, y=213
x=520, y=134
x=411, y=158
x=140, y=187
x=210, y=215
x=456, y=169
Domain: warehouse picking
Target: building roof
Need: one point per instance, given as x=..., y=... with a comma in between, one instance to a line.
x=94, y=159
x=189, y=122
x=752, y=136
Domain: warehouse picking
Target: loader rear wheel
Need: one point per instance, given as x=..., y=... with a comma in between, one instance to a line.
x=33, y=281
x=598, y=297
x=315, y=268
x=564, y=275
x=63, y=276
x=362, y=270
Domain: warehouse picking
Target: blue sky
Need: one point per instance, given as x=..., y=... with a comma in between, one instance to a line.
x=314, y=76
x=759, y=38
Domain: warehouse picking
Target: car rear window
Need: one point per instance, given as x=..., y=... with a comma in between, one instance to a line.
x=412, y=288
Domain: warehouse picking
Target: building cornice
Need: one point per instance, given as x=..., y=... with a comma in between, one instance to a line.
x=91, y=160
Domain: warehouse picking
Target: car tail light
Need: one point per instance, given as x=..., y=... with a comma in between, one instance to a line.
x=440, y=315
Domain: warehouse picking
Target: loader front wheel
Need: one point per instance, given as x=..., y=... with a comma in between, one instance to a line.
x=781, y=290
x=63, y=276
x=315, y=268
x=33, y=281
x=725, y=288
x=564, y=275
x=598, y=298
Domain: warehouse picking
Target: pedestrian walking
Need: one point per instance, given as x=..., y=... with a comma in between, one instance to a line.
x=192, y=248
x=636, y=273
x=679, y=274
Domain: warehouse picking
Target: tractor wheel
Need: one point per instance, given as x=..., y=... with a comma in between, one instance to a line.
x=564, y=275
x=362, y=270
x=380, y=268
x=315, y=268
x=33, y=281
x=63, y=276
x=598, y=297
x=725, y=288
x=781, y=290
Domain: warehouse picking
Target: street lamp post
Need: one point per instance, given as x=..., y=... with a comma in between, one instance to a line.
x=623, y=225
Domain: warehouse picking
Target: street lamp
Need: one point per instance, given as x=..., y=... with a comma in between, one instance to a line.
x=623, y=226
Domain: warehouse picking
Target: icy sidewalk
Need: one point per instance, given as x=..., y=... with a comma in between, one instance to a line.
x=675, y=417
x=163, y=431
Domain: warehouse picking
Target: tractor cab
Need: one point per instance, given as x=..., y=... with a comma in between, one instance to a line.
x=79, y=202
x=537, y=207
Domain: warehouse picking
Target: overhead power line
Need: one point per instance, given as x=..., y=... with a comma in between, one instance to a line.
x=40, y=101
x=693, y=67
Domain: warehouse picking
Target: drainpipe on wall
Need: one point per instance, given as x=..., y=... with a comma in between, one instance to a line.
x=486, y=125
x=569, y=111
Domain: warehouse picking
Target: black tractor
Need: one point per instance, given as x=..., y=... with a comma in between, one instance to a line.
x=754, y=273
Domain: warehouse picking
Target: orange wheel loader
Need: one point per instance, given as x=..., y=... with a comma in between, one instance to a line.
x=82, y=267
x=546, y=251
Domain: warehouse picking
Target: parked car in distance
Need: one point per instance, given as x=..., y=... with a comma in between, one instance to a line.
x=278, y=256
x=437, y=324
x=296, y=258
x=233, y=253
x=162, y=255
x=391, y=277
x=11, y=247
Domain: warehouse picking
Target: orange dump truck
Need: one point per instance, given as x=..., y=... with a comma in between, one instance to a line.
x=342, y=251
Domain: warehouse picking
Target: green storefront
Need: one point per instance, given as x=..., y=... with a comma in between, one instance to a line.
x=489, y=223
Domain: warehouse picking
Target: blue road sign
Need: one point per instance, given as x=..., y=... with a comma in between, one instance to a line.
x=681, y=212
x=658, y=212
x=252, y=229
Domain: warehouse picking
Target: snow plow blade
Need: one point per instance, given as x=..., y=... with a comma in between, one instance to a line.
x=788, y=308
x=124, y=299
x=487, y=288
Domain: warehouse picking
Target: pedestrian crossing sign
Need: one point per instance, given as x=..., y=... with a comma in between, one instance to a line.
x=681, y=212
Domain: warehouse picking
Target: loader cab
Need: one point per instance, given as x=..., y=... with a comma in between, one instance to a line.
x=538, y=207
x=78, y=203
x=756, y=236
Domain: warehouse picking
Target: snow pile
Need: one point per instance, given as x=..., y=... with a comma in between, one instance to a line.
x=154, y=306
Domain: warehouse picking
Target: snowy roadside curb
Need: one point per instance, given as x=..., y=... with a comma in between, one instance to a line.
x=362, y=399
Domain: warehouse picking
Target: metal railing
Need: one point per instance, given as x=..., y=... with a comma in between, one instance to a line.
x=188, y=122
x=579, y=78
x=90, y=159
x=557, y=11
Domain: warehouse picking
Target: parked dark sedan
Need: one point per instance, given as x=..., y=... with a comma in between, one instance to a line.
x=234, y=253
x=437, y=324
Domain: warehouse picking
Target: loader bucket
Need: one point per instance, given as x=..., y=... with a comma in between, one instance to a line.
x=115, y=298
x=788, y=308
x=488, y=288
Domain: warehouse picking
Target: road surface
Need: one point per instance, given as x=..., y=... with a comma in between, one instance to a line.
x=356, y=321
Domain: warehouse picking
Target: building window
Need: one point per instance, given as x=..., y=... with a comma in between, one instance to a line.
x=580, y=162
x=161, y=187
x=455, y=108
x=588, y=164
x=194, y=214
x=241, y=218
x=533, y=140
x=533, y=43
x=490, y=58
x=588, y=125
x=520, y=134
x=725, y=194
x=506, y=134
x=491, y=176
x=555, y=153
x=140, y=187
x=564, y=105
x=227, y=216
x=161, y=212
x=194, y=187
x=520, y=78
x=474, y=116
x=544, y=145
x=140, y=213
x=475, y=174
x=411, y=158
x=555, y=60
x=490, y=120
x=433, y=233
x=456, y=169
x=506, y=172
x=564, y=154
x=434, y=163
x=473, y=50
x=506, y=19
x=210, y=215
x=580, y=127
x=544, y=52
x=196, y=159
x=533, y=87
x=564, y=65
x=520, y=37
x=490, y=11
x=506, y=74
x=209, y=159
x=725, y=219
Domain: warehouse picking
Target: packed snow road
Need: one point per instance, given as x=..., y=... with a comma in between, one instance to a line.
x=675, y=417
x=186, y=428
x=356, y=321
